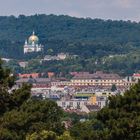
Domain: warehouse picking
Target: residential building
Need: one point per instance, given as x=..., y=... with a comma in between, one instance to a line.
x=6, y=59
x=62, y=56
x=72, y=104
x=51, y=74
x=101, y=101
x=23, y=64
x=30, y=75
x=50, y=58
x=59, y=56
x=36, y=82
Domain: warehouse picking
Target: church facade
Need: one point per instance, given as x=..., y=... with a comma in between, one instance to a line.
x=32, y=44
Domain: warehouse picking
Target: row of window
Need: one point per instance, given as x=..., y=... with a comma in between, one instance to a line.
x=98, y=84
x=97, y=80
x=71, y=104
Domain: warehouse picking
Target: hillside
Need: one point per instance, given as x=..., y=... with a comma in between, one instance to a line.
x=91, y=39
x=64, y=33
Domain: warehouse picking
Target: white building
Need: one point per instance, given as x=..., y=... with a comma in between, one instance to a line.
x=32, y=45
x=23, y=64
x=73, y=104
x=81, y=105
x=62, y=56
x=6, y=59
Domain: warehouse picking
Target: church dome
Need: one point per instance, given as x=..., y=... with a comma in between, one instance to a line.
x=33, y=39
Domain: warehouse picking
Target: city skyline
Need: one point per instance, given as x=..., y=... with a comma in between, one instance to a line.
x=105, y=9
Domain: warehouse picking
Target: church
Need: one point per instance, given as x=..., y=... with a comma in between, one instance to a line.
x=32, y=44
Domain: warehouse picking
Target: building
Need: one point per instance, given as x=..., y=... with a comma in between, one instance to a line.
x=50, y=58
x=92, y=108
x=136, y=76
x=32, y=45
x=72, y=104
x=23, y=64
x=6, y=59
x=29, y=75
x=59, y=56
x=98, y=79
x=62, y=56
x=51, y=74
x=83, y=105
x=36, y=82
x=101, y=101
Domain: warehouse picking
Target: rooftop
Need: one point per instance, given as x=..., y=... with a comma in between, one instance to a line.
x=34, y=80
x=97, y=75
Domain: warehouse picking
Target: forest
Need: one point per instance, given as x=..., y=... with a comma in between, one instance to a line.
x=93, y=40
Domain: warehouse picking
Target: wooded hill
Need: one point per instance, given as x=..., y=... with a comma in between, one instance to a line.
x=88, y=38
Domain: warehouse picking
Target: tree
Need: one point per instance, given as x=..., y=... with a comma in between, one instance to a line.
x=50, y=51
x=5, y=134
x=48, y=135
x=33, y=116
x=8, y=100
x=65, y=136
x=113, y=88
x=43, y=135
x=19, y=114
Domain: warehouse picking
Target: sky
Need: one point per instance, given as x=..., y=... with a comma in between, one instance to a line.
x=105, y=9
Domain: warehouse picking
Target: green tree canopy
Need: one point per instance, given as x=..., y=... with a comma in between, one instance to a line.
x=20, y=115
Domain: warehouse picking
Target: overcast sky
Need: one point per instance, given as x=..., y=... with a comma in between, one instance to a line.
x=106, y=9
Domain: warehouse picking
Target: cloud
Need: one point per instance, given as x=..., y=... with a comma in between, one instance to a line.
x=106, y=9
x=125, y=3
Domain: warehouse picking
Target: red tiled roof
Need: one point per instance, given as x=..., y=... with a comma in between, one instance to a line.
x=33, y=75
x=136, y=74
x=97, y=75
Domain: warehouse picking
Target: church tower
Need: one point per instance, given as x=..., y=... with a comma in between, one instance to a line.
x=32, y=45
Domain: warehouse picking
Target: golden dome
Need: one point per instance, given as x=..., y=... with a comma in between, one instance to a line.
x=33, y=38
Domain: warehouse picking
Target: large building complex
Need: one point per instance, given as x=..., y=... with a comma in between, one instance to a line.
x=84, y=92
x=98, y=80
x=32, y=44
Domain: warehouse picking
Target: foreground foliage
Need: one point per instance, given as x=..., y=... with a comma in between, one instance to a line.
x=20, y=115
x=49, y=135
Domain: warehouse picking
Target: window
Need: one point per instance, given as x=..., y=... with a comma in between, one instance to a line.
x=99, y=104
x=71, y=104
x=78, y=105
x=63, y=104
